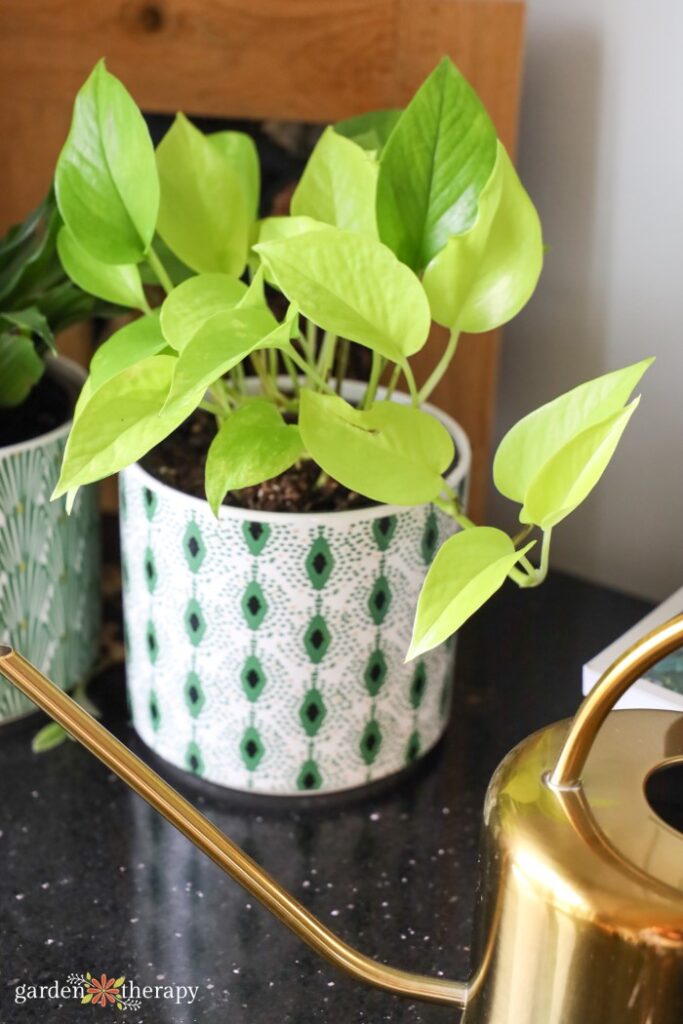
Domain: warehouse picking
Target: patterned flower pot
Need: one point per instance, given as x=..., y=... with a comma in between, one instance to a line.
x=49, y=562
x=265, y=650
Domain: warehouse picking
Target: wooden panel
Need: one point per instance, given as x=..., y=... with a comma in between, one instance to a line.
x=311, y=60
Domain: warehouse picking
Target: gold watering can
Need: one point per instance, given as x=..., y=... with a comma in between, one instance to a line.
x=580, y=911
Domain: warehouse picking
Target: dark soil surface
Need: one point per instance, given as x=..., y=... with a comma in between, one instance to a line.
x=48, y=406
x=179, y=462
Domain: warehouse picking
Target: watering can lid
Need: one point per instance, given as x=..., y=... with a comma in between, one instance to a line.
x=600, y=849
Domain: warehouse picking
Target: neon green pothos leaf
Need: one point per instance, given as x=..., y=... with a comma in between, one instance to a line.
x=106, y=180
x=252, y=445
x=194, y=302
x=568, y=477
x=119, y=283
x=121, y=421
x=221, y=343
x=239, y=149
x=434, y=166
x=338, y=185
x=535, y=439
x=482, y=278
x=352, y=285
x=203, y=213
x=392, y=453
x=129, y=345
x=467, y=570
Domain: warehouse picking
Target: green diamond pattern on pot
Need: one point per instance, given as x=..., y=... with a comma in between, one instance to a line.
x=319, y=563
x=194, y=622
x=309, y=778
x=379, y=600
x=256, y=536
x=413, y=747
x=370, y=741
x=317, y=639
x=313, y=711
x=251, y=748
x=150, y=502
x=194, y=762
x=154, y=712
x=254, y=605
x=194, y=694
x=151, y=575
x=193, y=546
x=375, y=672
x=383, y=530
x=430, y=538
x=152, y=642
x=253, y=678
x=418, y=685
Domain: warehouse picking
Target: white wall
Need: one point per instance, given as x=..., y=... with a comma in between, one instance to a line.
x=601, y=153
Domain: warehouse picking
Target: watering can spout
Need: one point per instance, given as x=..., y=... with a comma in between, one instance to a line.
x=211, y=841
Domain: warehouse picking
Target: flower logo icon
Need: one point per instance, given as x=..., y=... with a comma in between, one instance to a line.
x=103, y=992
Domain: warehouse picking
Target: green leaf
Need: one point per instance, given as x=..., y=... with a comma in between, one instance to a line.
x=353, y=286
x=253, y=444
x=176, y=270
x=221, y=343
x=434, y=166
x=239, y=149
x=20, y=369
x=467, y=570
x=536, y=438
x=482, y=278
x=192, y=303
x=570, y=475
x=202, y=213
x=370, y=131
x=338, y=185
x=273, y=229
x=392, y=453
x=129, y=345
x=119, y=283
x=30, y=322
x=106, y=180
x=50, y=736
x=121, y=421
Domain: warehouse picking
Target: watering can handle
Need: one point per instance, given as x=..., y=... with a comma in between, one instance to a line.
x=214, y=843
x=612, y=685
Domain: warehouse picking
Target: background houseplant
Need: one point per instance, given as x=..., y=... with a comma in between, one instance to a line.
x=400, y=218
x=49, y=602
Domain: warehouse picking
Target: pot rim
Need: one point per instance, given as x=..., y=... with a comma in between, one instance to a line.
x=71, y=372
x=458, y=474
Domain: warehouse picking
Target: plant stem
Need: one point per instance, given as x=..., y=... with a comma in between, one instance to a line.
x=326, y=356
x=393, y=381
x=293, y=375
x=532, y=577
x=440, y=368
x=160, y=271
x=410, y=381
x=378, y=364
x=342, y=364
x=310, y=372
x=308, y=340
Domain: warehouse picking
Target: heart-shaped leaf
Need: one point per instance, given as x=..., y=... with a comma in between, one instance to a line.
x=195, y=301
x=119, y=283
x=106, y=180
x=121, y=421
x=221, y=343
x=129, y=345
x=239, y=149
x=529, y=445
x=253, y=444
x=482, y=278
x=352, y=285
x=338, y=185
x=203, y=212
x=467, y=570
x=568, y=477
x=392, y=453
x=434, y=166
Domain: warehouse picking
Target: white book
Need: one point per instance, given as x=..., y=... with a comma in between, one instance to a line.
x=662, y=688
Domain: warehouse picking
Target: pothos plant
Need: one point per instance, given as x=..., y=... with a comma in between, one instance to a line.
x=401, y=218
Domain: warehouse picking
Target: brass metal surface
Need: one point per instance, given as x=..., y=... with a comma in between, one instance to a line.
x=580, y=910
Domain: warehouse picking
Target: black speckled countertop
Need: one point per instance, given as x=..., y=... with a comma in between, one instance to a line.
x=93, y=880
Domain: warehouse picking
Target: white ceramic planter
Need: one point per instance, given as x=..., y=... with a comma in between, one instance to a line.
x=49, y=562
x=265, y=650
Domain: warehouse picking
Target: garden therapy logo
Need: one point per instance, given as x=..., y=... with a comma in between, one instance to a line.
x=106, y=992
